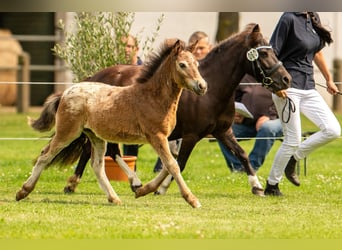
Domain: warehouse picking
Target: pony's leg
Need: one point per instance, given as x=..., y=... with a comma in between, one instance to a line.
x=48, y=154
x=169, y=165
x=164, y=186
x=113, y=150
x=97, y=163
x=75, y=179
x=133, y=179
x=232, y=144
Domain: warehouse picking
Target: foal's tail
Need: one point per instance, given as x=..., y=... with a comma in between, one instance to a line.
x=46, y=120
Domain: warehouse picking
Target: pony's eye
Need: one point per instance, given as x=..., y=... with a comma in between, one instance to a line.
x=182, y=65
x=263, y=53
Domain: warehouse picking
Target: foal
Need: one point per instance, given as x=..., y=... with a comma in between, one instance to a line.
x=144, y=112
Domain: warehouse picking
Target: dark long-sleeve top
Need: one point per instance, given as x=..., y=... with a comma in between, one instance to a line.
x=257, y=99
x=295, y=42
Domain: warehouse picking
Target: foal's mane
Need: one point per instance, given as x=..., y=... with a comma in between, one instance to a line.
x=156, y=59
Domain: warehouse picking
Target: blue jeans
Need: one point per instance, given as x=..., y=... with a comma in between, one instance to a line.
x=269, y=129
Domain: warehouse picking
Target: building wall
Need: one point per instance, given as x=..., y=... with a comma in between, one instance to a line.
x=34, y=23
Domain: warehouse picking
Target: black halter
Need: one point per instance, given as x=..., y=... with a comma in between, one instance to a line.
x=253, y=56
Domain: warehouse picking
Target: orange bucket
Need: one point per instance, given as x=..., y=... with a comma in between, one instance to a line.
x=113, y=170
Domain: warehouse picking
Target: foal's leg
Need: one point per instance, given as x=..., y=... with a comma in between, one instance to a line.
x=48, y=154
x=232, y=144
x=169, y=165
x=75, y=179
x=188, y=144
x=97, y=163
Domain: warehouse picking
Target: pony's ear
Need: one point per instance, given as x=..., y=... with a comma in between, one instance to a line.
x=256, y=28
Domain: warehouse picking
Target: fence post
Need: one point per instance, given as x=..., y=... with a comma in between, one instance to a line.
x=23, y=94
x=337, y=99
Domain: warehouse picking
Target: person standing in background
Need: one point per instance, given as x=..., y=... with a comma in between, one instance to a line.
x=202, y=47
x=131, y=53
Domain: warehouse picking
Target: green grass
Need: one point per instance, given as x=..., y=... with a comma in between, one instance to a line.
x=229, y=210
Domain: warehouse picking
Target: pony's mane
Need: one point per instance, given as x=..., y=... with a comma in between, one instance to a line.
x=156, y=59
x=236, y=37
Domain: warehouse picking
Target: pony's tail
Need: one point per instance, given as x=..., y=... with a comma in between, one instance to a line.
x=70, y=154
x=46, y=120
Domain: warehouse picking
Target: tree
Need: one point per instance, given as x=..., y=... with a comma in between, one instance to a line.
x=228, y=24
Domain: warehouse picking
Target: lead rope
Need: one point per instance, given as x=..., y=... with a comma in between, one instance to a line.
x=291, y=108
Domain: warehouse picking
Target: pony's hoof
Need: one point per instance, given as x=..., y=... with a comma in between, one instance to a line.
x=68, y=190
x=258, y=191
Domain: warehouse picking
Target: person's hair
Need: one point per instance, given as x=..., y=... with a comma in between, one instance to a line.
x=196, y=36
x=134, y=39
x=323, y=33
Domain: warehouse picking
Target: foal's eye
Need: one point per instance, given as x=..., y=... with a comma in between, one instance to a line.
x=182, y=65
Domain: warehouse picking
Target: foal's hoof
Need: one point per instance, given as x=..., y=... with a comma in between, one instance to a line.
x=139, y=193
x=258, y=191
x=115, y=201
x=135, y=187
x=21, y=194
x=196, y=204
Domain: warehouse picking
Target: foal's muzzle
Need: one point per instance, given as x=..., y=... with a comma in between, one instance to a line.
x=201, y=87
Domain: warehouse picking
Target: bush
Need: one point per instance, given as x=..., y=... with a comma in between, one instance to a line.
x=97, y=42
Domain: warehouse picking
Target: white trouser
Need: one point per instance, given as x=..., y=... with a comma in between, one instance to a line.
x=311, y=104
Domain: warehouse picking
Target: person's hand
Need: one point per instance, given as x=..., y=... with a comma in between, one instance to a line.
x=261, y=121
x=332, y=88
x=238, y=118
x=281, y=93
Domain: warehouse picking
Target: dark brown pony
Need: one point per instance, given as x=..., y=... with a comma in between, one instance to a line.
x=197, y=117
x=144, y=112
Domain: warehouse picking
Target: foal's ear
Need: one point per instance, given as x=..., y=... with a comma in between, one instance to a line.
x=192, y=46
x=178, y=46
x=256, y=28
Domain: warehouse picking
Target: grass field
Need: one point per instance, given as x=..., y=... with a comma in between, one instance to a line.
x=229, y=210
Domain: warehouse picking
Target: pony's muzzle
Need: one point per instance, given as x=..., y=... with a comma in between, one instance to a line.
x=287, y=80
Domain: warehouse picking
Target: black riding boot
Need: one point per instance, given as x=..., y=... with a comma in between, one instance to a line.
x=272, y=190
x=290, y=171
